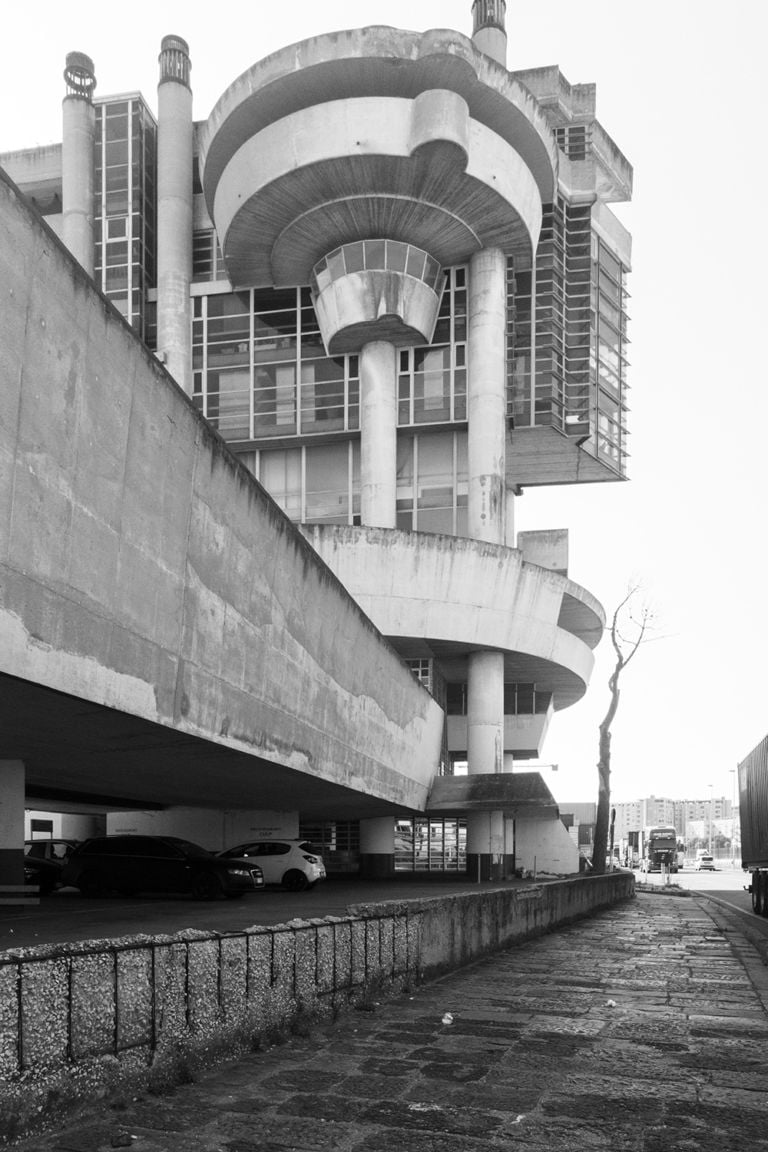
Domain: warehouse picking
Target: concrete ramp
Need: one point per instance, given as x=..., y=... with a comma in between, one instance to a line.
x=166, y=634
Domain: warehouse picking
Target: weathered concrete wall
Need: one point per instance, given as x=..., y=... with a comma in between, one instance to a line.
x=479, y=594
x=143, y=568
x=79, y=1019
x=545, y=846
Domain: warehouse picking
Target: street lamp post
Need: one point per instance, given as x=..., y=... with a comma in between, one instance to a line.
x=733, y=816
x=710, y=786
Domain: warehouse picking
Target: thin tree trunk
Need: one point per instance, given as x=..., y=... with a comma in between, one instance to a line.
x=625, y=649
x=604, y=778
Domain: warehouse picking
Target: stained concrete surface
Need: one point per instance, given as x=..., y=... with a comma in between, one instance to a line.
x=643, y=1028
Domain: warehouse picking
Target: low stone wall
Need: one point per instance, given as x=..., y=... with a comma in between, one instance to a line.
x=84, y=1020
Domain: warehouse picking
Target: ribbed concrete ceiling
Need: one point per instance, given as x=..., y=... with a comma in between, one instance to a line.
x=282, y=231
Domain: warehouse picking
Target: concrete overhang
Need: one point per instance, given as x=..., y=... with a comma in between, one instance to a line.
x=545, y=456
x=373, y=132
x=449, y=596
x=80, y=756
x=514, y=793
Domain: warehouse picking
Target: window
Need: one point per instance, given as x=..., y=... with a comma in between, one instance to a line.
x=327, y=486
x=125, y=207
x=312, y=484
x=422, y=670
x=432, y=482
x=285, y=384
x=423, y=845
x=432, y=384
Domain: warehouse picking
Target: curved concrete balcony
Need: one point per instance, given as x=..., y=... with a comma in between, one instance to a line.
x=376, y=290
x=373, y=133
x=446, y=596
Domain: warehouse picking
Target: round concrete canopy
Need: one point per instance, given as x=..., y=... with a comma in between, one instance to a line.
x=373, y=133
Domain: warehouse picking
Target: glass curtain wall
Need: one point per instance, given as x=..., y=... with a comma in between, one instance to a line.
x=567, y=335
x=320, y=483
x=125, y=208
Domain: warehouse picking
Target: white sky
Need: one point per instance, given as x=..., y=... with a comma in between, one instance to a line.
x=679, y=88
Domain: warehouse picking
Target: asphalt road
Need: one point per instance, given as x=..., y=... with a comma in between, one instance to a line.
x=66, y=916
x=726, y=887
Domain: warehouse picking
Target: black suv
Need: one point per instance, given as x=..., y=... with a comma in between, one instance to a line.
x=130, y=864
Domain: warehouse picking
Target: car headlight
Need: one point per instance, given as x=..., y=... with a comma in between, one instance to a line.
x=311, y=859
x=238, y=872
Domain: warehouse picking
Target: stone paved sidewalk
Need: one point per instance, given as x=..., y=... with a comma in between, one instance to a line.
x=642, y=1028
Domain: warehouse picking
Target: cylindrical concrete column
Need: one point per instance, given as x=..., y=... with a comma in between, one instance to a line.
x=11, y=822
x=485, y=712
x=488, y=33
x=487, y=516
x=78, y=132
x=486, y=397
x=174, y=210
x=377, y=847
x=378, y=434
x=509, y=518
x=488, y=855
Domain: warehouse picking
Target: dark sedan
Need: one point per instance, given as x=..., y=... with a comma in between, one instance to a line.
x=132, y=864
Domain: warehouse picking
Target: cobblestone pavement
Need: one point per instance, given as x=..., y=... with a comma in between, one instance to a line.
x=643, y=1028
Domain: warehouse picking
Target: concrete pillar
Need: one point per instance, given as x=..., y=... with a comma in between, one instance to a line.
x=485, y=712
x=487, y=854
x=174, y=210
x=377, y=847
x=486, y=399
x=509, y=518
x=11, y=822
x=77, y=161
x=487, y=520
x=378, y=434
x=488, y=34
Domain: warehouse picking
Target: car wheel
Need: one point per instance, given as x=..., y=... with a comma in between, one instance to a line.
x=757, y=894
x=207, y=886
x=295, y=881
x=91, y=884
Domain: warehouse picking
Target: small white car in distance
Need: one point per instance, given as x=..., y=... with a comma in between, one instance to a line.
x=293, y=863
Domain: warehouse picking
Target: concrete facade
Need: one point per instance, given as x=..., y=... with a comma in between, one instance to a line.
x=375, y=277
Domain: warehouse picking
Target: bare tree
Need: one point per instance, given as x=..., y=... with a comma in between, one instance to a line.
x=629, y=628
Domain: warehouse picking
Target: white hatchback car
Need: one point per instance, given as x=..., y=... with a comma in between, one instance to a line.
x=293, y=863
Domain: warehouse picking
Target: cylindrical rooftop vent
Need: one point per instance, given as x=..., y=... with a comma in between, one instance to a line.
x=174, y=60
x=79, y=76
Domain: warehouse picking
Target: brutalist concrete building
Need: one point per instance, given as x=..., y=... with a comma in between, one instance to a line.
x=386, y=271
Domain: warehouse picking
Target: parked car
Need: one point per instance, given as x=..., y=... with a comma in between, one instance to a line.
x=45, y=875
x=44, y=862
x=705, y=863
x=131, y=864
x=50, y=849
x=293, y=863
